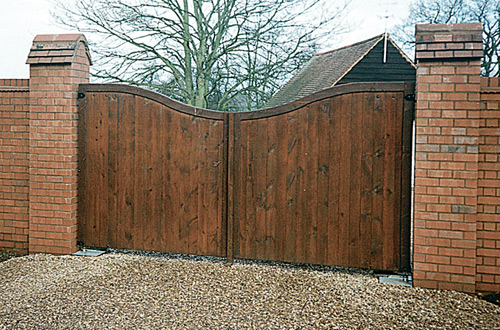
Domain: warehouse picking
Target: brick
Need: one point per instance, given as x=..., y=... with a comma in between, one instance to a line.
x=426, y=215
x=462, y=244
x=434, y=259
x=442, y=70
x=450, y=252
x=439, y=242
x=451, y=199
x=439, y=174
x=437, y=276
x=452, y=183
x=438, y=225
x=450, y=269
x=425, y=267
x=453, y=149
x=470, y=262
x=459, y=113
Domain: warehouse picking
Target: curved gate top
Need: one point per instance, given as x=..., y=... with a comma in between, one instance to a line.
x=322, y=180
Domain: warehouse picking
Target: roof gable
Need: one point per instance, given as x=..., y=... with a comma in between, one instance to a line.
x=324, y=70
x=372, y=68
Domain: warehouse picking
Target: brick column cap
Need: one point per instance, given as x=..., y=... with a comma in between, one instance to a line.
x=56, y=48
x=449, y=41
x=465, y=27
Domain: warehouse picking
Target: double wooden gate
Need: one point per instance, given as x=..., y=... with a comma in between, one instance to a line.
x=323, y=180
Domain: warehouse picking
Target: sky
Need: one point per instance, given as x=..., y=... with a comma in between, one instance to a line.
x=22, y=20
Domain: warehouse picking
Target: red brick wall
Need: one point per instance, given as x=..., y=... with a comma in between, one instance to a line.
x=457, y=181
x=53, y=141
x=488, y=217
x=38, y=148
x=14, y=106
x=446, y=164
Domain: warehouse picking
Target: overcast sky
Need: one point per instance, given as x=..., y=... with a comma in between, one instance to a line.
x=22, y=20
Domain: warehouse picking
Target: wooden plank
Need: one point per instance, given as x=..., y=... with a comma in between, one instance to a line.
x=126, y=172
x=238, y=184
x=143, y=166
x=335, y=161
x=155, y=178
x=259, y=199
x=324, y=136
x=366, y=180
x=113, y=221
x=292, y=186
x=356, y=132
x=408, y=108
x=240, y=190
x=272, y=170
x=282, y=221
x=83, y=185
x=345, y=180
x=198, y=173
x=250, y=200
x=247, y=220
x=169, y=195
x=397, y=104
x=231, y=138
x=312, y=182
x=389, y=182
x=378, y=181
x=180, y=178
x=240, y=222
x=215, y=186
x=100, y=168
x=191, y=179
x=205, y=172
x=302, y=219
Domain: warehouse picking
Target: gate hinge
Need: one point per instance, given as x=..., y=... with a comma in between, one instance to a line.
x=410, y=97
x=81, y=95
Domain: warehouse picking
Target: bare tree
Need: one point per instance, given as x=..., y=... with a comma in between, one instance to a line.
x=457, y=11
x=221, y=54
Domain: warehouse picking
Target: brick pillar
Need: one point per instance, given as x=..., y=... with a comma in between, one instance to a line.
x=58, y=64
x=446, y=166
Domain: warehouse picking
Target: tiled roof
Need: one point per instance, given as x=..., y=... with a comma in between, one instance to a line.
x=323, y=71
x=55, y=48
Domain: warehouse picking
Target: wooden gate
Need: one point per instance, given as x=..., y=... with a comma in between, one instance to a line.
x=323, y=180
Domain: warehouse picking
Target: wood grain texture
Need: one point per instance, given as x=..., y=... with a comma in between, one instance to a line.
x=332, y=194
x=152, y=178
x=324, y=180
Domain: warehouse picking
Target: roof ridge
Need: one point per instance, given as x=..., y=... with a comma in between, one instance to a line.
x=375, y=38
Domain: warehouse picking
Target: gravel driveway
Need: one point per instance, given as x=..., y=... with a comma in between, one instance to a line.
x=127, y=291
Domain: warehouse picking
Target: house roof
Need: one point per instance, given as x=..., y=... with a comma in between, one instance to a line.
x=324, y=70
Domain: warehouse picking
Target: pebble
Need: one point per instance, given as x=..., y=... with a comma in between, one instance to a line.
x=155, y=291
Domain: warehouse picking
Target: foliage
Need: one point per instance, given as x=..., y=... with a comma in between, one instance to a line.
x=221, y=54
x=458, y=11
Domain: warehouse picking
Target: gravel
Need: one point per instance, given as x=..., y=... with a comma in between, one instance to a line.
x=6, y=255
x=130, y=291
